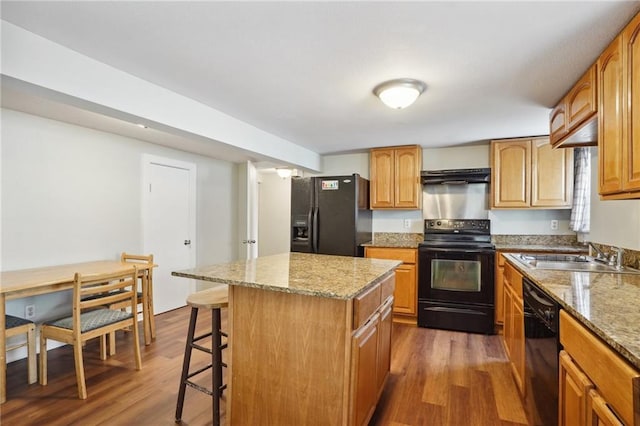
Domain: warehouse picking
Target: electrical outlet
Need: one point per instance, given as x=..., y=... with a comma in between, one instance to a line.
x=554, y=225
x=30, y=311
x=407, y=223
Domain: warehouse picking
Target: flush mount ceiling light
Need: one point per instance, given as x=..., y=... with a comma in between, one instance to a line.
x=283, y=173
x=399, y=93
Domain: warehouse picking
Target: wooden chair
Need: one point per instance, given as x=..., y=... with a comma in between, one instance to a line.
x=144, y=299
x=214, y=299
x=15, y=326
x=91, y=319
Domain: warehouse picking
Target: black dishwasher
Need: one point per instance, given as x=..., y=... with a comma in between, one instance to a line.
x=542, y=348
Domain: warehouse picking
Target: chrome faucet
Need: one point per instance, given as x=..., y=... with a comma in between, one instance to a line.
x=600, y=255
x=618, y=256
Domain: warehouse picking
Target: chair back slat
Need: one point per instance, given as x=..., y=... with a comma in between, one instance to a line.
x=104, y=289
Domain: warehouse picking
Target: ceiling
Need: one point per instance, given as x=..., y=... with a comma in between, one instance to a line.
x=304, y=71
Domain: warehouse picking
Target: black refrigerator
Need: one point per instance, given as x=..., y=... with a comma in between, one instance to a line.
x=330, y=215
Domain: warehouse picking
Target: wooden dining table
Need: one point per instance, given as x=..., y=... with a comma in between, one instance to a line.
x=49, y=279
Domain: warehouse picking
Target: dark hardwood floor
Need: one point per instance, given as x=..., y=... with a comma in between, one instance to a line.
x=437, y=378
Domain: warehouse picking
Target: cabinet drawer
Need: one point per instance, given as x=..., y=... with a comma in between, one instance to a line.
x=404, y=255
x=612, y=375
x=365, y=304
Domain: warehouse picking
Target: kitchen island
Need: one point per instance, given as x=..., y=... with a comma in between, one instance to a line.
x=309, y=337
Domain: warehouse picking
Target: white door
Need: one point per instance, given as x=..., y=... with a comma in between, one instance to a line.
x=169, y=227
x=248, y=210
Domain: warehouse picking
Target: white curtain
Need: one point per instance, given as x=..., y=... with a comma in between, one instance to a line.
x=580, y=214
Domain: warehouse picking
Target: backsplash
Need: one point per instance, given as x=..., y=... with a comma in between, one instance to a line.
x=630, y=258
x=535, y=240
x=397, y=239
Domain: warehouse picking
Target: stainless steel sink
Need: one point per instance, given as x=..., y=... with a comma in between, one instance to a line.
x=567, y=262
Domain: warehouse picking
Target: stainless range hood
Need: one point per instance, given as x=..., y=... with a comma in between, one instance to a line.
x=456, y=176
x=455, y=194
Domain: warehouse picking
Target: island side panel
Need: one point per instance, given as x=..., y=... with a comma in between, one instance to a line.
x=290, y=358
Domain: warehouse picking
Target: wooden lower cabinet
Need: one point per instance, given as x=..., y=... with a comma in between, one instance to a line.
x=384, y=345
x=365, y=361
x=597, y=386
x=306, y=360
x=573, y=393
x=406, y=292
x=499, y=292
x=599, y=413
x=513, y=333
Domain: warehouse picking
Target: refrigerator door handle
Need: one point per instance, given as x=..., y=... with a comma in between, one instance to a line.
x=314, y=230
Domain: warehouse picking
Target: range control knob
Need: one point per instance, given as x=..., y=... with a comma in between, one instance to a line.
x=439, y=223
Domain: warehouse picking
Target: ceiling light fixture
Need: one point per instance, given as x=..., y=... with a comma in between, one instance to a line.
x=399, y=93
x=283, y=173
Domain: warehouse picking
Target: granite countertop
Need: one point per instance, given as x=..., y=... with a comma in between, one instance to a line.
x=605, y=303
x=337, y=277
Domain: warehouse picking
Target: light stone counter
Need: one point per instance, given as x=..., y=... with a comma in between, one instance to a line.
x=607, y=304
x=337, y=277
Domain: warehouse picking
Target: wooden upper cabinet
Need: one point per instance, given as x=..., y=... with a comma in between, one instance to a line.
x=573, y=121
x=395, y=178
x=581, y=101
x=382, y=182
x=551, y=175
x=631, y=80
x=557, y=123
x=619, y=115
x=511, y=173
x=610, y=118
x=528, y=173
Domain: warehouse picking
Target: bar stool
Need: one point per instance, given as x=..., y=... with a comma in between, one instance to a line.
x=213, y=299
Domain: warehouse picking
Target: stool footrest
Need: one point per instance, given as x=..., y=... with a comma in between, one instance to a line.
x=204, y=336
x=195, y=373
x=198, y=387
x=201, y=348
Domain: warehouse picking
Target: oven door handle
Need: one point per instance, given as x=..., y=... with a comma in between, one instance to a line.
x=457, y=250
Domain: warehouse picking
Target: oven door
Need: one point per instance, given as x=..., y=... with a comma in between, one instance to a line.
x=456, y=275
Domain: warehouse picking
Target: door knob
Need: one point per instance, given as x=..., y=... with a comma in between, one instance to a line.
x=187, y=242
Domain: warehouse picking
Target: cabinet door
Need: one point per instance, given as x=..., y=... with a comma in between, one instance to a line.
x=408, y=189
x=551, y=175
x=610, y=125
x=382, y=178
x=511, y=173
x=517, y=343
x=405, y=292
x=581, y=101
x=507, y=335
x=599, y=412
x=384, y=346
x=573, y=393
x=499, y=289
x=557, y=123
x=364, y=366
x=631, y=152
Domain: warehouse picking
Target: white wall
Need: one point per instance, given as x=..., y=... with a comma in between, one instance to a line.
x=274, y=214
x=72, y=194
x=616, y=222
